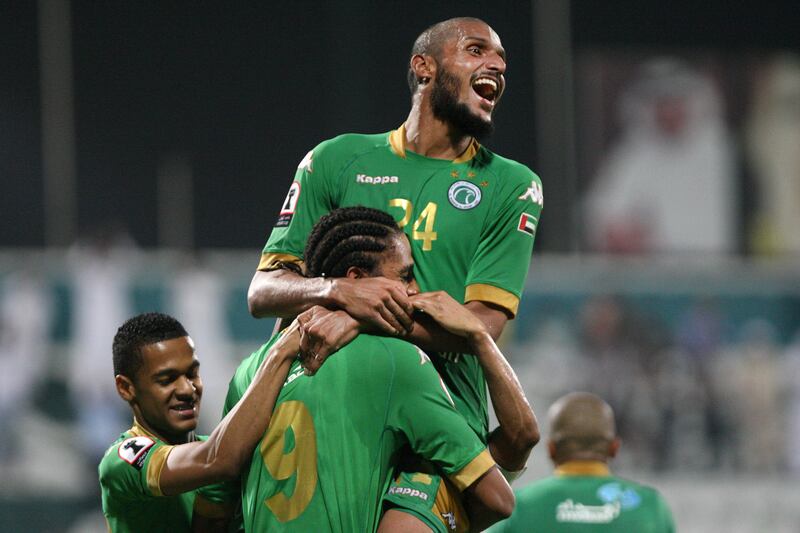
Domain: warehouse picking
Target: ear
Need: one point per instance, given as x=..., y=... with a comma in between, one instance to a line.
x=355, y=272
x=423, y=66
x=613, y=447
x=125, y=388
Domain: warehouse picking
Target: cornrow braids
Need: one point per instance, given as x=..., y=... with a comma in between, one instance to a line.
x=345, y=237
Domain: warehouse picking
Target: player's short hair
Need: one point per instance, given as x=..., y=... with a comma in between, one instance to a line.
x=346, y=237
x=137, y=332
x=431, y=41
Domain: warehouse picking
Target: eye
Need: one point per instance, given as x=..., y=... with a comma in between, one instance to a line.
x=474, y=49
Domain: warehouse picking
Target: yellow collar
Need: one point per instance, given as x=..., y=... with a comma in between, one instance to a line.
x=138, y=430
x=397, y=141
x=583, y=468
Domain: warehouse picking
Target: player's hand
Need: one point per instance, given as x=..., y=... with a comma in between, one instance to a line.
x=378, y=302
x=323, y=332
x=449, y=314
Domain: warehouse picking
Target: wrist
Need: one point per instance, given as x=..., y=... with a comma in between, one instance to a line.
x=480, y=339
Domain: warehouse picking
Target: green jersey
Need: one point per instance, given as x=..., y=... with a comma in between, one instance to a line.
x=579, y=500
x=327, y=458
x=470, y=221
x=129, y=480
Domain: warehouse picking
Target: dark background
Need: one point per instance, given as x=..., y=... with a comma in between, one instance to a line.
x=244, y=90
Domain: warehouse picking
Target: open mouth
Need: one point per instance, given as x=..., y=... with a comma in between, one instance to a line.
x=486, y=88
x=184, y=408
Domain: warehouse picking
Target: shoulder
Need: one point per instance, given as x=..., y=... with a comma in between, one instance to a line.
x=632, y=493
x=397, y=357
x=513, y=172
x=536, y=490
x=349, y=144
x=125, y=458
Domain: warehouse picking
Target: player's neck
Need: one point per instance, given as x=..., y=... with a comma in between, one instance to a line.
x=428, y=136
x=141, y=423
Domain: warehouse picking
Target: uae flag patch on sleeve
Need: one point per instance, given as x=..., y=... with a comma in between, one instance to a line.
x=527, y=224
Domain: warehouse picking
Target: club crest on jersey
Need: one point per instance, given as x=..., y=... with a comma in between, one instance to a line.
x=464, y=195
x=305, y=164
x=289, y=205
x=527, y=224
x=134, y=450
x=534, y=194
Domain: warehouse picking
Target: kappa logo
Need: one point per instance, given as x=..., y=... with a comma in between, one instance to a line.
x=134, y=450
x=305, y=164
x=376, y=180
x=289, y=205
x=464, y=195
x=451, y=520
x=527, y=224
x=534, y=194
x=407, y=491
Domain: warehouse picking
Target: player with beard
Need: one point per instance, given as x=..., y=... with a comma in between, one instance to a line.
x=470, y=215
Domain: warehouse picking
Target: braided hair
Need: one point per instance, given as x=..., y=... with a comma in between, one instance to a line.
x=347, y=237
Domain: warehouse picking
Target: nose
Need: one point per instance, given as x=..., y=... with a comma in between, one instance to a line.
x=184, y=387
x=496, y=63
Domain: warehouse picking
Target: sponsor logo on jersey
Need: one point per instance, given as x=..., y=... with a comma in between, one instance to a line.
x=408, y=491
x=134, y=450
x=569, y=511
x=423, y=357
x=534, y=194
x=464, y=195
x=289, y=206
x=450, y=518
x=615, y=493
x=376, y=180
x=305, y=164
x=527, y=224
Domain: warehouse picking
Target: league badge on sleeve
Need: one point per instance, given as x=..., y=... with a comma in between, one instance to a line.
x=289, y=205
x=527, y=224
x=134, y=450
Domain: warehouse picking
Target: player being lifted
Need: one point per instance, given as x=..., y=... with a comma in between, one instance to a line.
x=149, y=474
x=328, y=456
x=470, y=215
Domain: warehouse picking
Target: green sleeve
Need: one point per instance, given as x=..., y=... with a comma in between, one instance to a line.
x=668, y=521
x=131, y=469
x=310, y=196
x=506, y=242
x=422, y=410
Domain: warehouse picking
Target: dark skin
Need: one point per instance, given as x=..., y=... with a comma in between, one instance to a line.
x=472, y=51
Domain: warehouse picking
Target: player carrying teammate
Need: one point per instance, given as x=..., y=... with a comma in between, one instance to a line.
x=583, y=495
x=328, y=456
x=470, y=215
x=149, y=474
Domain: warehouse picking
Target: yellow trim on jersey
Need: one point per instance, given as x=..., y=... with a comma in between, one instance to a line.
x=157, y=461
x=475, y=469
x=397, y=141
x=270, y=261
x=583, y=468
x=449, y=508
x=209, y=509
x=494, y=295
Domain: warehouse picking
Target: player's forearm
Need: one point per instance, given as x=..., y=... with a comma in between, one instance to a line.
x=231, y=443
x=518, y=430
x=489, y=500
x=284, y=293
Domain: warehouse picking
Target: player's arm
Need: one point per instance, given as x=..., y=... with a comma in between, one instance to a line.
x=231, y=444
x=380, y=303
x=518, y=431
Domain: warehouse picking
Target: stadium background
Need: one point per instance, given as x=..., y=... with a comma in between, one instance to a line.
x=145, y=149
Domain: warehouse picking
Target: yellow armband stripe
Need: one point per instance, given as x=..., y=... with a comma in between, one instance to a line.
x=475, y=469
x=270, y=261
x=494, y=295
x=154, y=468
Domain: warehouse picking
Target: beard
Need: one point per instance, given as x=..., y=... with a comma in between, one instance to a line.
x=447, y=108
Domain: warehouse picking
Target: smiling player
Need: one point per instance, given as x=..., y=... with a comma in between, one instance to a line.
x=470, y=215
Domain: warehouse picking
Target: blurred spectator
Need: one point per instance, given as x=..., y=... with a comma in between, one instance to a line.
x=198, y=300
x=773, y=139
x=668, y=183
x=791, y=377
x=24, y=328
x=100, y=269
